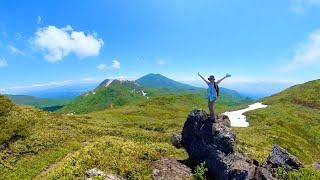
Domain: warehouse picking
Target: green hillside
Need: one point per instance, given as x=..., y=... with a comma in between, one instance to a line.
x=117, y=94
x=37, y=102
x=291, y=120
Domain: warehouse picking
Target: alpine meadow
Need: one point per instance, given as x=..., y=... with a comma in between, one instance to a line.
x=159, y=90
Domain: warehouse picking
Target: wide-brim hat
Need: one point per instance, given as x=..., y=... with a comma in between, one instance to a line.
x=211, y=77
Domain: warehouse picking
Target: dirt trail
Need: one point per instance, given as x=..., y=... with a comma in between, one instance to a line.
x=45, y=172
x=52, y=166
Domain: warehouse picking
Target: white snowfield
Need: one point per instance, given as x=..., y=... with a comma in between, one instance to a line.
x=237, y=118
x=109, y=82
x=143, y=93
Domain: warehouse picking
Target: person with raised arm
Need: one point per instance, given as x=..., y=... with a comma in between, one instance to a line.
x=213, y=92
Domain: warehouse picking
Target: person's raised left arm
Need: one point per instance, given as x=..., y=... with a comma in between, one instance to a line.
x=227, y=75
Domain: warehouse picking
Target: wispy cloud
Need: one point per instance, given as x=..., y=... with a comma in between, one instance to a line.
x=60, y=42
x=162, y=61
x=39, y=19
x=102, y=67
x=307, y=53
x=3, y=62
x=40, y=85
x=301, y=6
x=87, y=79
x=15, y=50
x=115, y=65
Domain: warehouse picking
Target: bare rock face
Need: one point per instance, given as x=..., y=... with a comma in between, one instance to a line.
x=176, y=140
x=263, y=174
x=94, y=173
x=316, y=165
x=168, y=169
x=214, y=142
x=280, y=157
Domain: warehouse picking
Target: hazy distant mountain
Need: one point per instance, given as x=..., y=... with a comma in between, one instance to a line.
x=69, y=91
x=37, y=102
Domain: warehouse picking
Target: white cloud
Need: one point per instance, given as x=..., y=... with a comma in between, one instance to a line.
x=307, y=53
x=39, y=19
x=102, y=67
x=301, y=6
x=3, y=62
x=15, y=50
x=58, y=43
x=87, y=79
x=162, y=62
x=41, y=85
x=115, y=64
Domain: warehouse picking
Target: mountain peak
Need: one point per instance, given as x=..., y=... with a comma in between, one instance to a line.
x=160, y=81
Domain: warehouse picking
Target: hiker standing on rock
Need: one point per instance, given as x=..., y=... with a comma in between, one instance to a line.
x=213, y=92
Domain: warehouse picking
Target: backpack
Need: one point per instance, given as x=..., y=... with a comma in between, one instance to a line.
x=216, y=87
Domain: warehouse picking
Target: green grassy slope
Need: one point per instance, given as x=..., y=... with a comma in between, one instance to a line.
x=291, y=120
x=37, y=102
x=123, y=140
x=116, y=95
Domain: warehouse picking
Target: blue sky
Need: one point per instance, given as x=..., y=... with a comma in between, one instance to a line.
x=265, y=45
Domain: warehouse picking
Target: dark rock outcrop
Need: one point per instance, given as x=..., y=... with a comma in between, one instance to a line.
x=214, y=143
x=168, y=169
x=280, y=157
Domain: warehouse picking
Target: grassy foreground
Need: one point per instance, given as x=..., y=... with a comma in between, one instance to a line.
x=31, y=140
x=125, y=140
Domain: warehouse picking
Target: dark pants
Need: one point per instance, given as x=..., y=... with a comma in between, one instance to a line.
x=210, y=106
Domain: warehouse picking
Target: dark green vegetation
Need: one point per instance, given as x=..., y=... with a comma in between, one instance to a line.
x=301, y=174
x=291, y=120
x=37, y=102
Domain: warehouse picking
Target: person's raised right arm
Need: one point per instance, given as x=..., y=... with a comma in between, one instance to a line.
x=204, y=79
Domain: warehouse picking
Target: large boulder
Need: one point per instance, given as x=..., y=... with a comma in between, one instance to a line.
x=169, y=169
x=214, y=143
x=280, y=157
